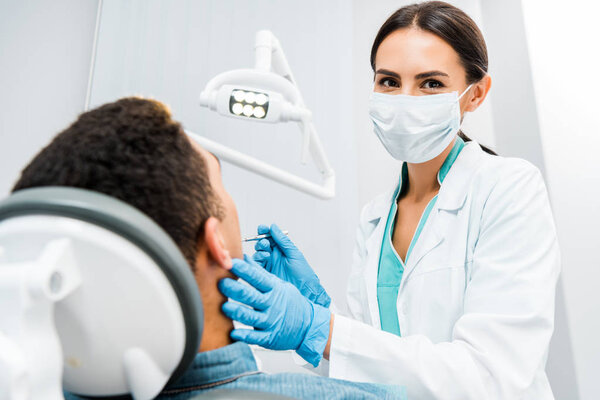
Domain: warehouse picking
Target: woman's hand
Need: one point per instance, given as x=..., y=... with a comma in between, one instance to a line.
x=281, y=257
x=282, y=318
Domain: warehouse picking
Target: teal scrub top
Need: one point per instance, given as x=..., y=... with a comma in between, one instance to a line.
x=391, y=266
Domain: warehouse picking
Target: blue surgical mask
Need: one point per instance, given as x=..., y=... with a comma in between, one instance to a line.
x=415, y=129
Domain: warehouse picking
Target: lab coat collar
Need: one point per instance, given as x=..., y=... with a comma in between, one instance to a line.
x=452, y=192
x=380, y=206
x=452, y=196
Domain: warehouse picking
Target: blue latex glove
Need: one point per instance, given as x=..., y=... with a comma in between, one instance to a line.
x=281, y=257
x=283, y=319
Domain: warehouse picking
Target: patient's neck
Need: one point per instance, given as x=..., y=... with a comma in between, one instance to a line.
x=217, y=326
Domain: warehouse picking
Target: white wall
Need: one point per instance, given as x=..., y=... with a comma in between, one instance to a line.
x=518, y=134
x=45, y=49
x=562, y=43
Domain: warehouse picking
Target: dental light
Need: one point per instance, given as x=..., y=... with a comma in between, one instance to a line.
x=267, y=93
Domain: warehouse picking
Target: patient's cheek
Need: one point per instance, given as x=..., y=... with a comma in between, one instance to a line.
x=237, y=252
x=232, y=224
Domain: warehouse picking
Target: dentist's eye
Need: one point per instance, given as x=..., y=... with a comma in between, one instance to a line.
x=388, y=83
x=432, y=84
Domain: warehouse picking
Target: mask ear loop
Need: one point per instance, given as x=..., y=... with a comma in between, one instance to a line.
x=459, y=97
x=466, y=90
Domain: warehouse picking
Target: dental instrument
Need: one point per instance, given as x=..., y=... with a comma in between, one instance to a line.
x=263, y=236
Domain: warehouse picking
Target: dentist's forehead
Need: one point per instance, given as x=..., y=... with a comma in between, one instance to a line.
x=414, y=51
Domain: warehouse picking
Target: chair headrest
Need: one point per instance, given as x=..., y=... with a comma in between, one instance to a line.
x=131, y=224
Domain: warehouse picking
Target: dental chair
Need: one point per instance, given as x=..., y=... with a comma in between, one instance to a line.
x=95, y=299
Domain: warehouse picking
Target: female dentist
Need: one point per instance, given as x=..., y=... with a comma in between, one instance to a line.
x=451, y=292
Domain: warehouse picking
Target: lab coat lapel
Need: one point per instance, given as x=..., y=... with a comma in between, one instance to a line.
x=455, y=187
x=429, y=239
x=451, y=198
x=376, y=215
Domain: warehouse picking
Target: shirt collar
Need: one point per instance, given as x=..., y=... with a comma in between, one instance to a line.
x=217, y=365
x=457, y=181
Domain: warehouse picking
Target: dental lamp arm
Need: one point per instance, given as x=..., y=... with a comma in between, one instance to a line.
x=269, y=56
x=325, y=191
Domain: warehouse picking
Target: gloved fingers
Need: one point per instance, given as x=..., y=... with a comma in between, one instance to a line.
x=245, y=315
x=250, y=336
x=242, y=293
x=252, y=273
x=263, y=245
x=262, y=229
x=284, y=242
x=261, y=258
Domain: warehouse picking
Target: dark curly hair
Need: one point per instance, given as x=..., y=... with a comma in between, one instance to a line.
x=131, y=149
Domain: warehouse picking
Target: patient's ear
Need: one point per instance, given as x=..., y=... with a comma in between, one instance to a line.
x=215, y=243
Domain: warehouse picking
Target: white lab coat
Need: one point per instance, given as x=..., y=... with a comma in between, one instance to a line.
x=476, y=301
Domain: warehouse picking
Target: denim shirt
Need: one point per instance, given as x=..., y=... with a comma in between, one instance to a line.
x=234, y=367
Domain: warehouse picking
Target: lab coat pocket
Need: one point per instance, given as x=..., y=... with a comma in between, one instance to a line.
x=441, y=293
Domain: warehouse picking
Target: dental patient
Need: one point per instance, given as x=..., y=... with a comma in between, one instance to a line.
x=132, y=150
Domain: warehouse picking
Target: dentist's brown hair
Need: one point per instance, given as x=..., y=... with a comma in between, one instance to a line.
x=449, y=23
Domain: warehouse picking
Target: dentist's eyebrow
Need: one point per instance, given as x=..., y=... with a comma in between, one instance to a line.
x=387, y=72
x=429, y=74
